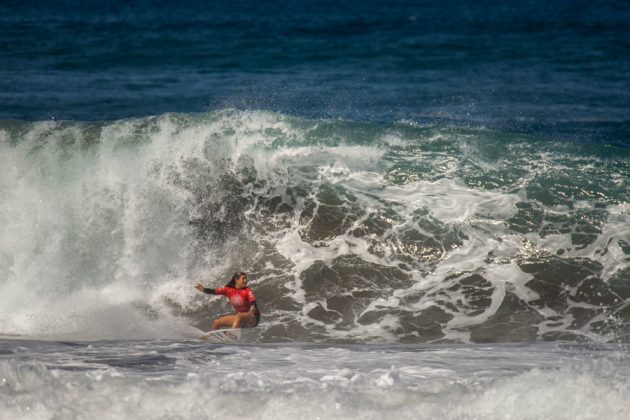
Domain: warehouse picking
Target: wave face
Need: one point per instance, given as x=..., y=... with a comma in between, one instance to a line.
x=350, y=232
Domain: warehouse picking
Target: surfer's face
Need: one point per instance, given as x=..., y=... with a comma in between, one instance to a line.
x=241, y=282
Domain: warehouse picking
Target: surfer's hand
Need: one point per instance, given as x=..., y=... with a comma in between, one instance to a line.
x=199, y=287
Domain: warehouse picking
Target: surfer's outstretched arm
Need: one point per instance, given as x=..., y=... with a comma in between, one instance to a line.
x=206, y=290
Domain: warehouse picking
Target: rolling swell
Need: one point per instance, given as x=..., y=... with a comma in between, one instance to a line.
x=351, y=232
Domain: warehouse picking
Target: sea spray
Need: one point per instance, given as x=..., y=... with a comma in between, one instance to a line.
x=350, y=231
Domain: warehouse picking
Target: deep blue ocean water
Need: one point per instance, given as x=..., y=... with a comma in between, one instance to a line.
x=431, y=201
x=556, y=68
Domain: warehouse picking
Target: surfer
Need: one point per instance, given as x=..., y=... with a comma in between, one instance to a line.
x=242, y=299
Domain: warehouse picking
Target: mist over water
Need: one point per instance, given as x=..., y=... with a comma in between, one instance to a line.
x=351, y=232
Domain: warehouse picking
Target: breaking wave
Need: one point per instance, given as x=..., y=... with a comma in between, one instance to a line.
x=350, y=231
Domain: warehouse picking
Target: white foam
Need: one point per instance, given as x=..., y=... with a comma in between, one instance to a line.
x=294, y=383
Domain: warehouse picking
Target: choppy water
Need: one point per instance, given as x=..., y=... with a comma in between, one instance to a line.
x=555, y=67
x=431, y=202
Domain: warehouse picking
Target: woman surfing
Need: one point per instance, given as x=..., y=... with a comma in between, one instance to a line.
x=242, y=299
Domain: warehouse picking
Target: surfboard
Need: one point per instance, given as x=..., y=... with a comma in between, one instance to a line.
x=226, y=336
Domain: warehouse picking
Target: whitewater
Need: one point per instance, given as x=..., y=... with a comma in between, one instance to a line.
x=419, y=270
x=352, y=232
x=184, y=379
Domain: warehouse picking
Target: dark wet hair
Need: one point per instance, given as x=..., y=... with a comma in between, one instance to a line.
x=235, y=276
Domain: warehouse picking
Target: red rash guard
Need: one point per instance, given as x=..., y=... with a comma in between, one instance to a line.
x=241, y=299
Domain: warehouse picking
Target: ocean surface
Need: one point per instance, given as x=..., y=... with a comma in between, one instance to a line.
x=431, y=200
